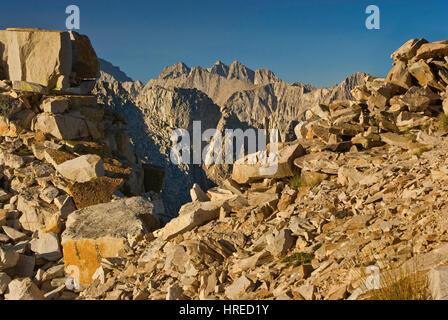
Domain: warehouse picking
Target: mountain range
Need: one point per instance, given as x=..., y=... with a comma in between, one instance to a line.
x=225, y=96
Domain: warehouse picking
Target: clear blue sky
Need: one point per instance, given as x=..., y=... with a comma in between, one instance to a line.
x=316, y=41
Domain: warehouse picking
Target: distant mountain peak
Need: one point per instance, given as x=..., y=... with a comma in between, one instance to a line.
x=109, y=72
x=239, y=71
x=174, y=71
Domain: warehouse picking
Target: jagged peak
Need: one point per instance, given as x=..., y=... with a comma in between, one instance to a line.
x=264, y=76
x=174, y=71
x=239, y=71
x=219, y=68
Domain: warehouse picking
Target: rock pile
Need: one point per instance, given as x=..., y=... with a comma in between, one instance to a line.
x=366, y=184
x=64, y=157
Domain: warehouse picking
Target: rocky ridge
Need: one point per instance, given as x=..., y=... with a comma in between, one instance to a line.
x=229, y=97
x=363, y=184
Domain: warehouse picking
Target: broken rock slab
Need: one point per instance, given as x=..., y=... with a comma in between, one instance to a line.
x=280, y=242
x=105, y=231
x=55, y=105
x=190, y=216
x=58, y=60
x=245, y=172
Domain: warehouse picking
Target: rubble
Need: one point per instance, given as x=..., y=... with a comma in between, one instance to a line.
x=364, y=183
x=61, y=151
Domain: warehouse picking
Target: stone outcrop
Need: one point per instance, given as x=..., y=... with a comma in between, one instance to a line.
x=58, y=60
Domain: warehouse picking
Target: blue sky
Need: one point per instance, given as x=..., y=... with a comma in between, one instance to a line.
x=315, y=41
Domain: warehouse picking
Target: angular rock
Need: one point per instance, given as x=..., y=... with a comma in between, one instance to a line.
x=85, y=60
x=47, y=246
x=281, y=242
x=4, y=282
x=418, y=98
x=34, y=217
x=190, y=216
x=8, y=258
x=307, y=291
x=400, y=75
x=396, y=140
x=49, y=194
x=252, y=262
x=239, y=288
x=29, y=87
x=174, y=292
x=197, y=194
x=424, y=75
x=55, y=105
x=82, y=169
x=53, y=59
x=65, y=204
x=409, y=120
x=432, y=50
x=39, y=56
x=326, y=162
x=23, y=289
x=61, y=126
x=56, y=157
x=13, y=234
x=408, y=50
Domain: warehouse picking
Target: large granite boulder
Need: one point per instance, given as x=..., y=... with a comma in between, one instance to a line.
x=58, y=60
x=38, y=56
x=105, y=231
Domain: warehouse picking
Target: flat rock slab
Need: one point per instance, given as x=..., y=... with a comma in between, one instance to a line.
x=104, y=231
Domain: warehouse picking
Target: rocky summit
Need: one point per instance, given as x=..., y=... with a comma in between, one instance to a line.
x=91, y=207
